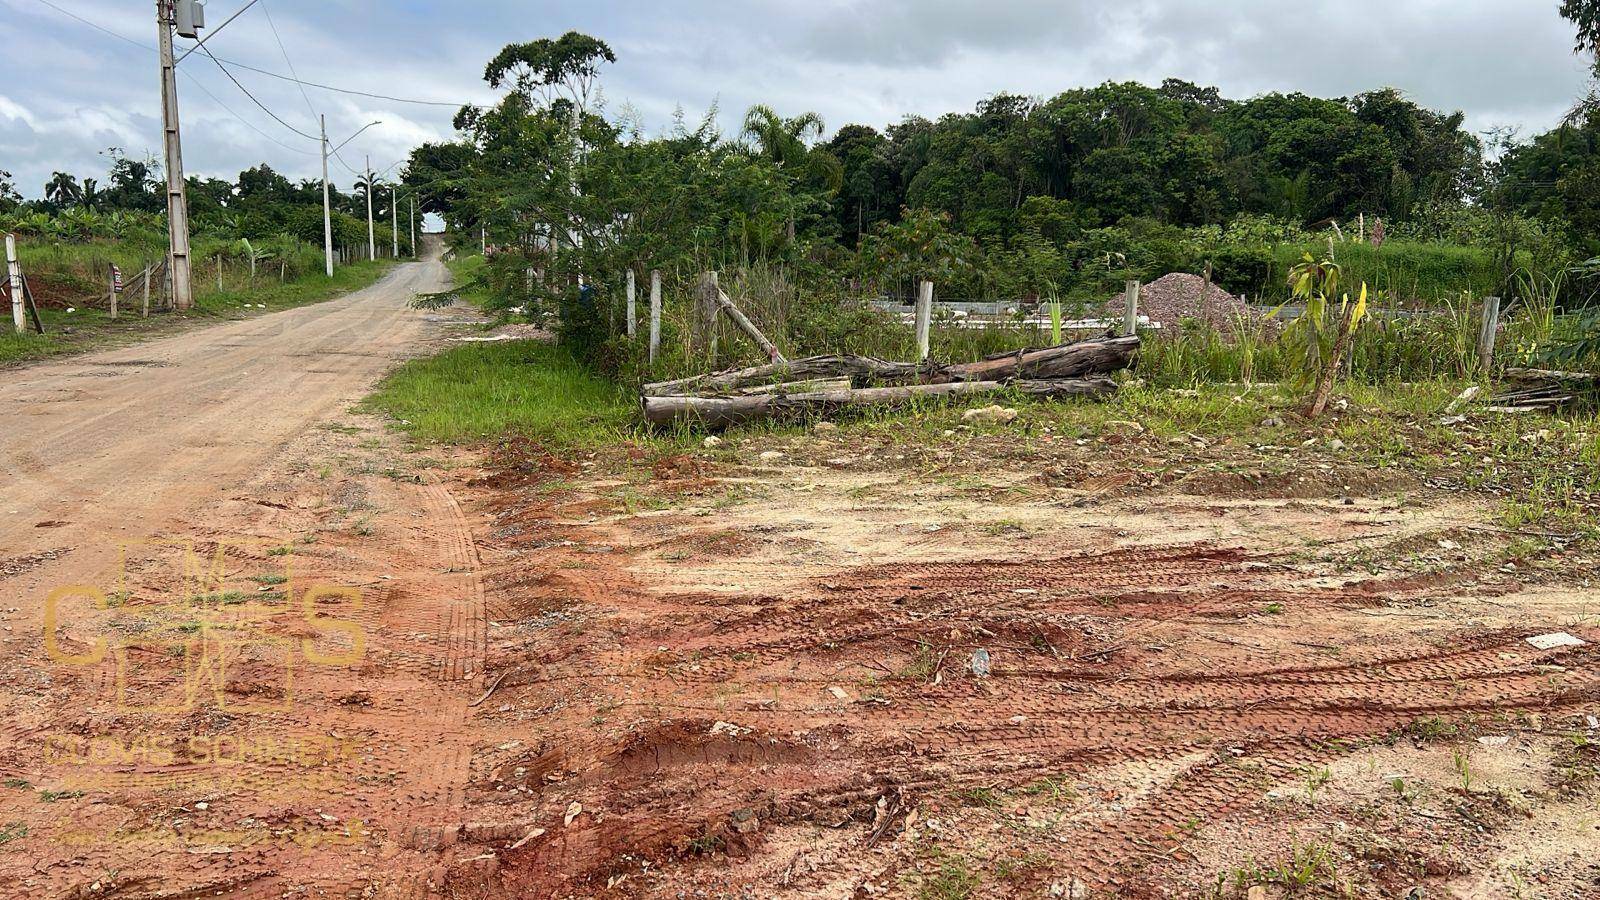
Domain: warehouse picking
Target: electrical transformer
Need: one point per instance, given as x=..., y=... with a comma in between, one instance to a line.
x=189, y=16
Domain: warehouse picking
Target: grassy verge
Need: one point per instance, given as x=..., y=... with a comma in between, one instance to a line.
x=91, y=329
x=480, y=391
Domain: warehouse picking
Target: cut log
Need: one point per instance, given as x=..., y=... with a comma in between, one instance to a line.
x=716, y=413
x=859, y=369
x=813, y=386
x=1542, y=376
x=1101, y=356
x=749, y=328
x=1096, y=357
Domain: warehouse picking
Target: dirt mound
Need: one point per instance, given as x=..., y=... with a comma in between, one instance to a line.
x=1173, y=299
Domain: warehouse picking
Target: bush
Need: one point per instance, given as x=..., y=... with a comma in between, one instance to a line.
x=1241, y=270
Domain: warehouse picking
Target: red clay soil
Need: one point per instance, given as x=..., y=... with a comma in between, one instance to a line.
x=670, y=736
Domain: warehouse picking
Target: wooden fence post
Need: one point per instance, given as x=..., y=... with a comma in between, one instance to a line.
x=633, y=294
x=144, y=308
x=1491, y=331
x=924, y=320
x=1130, y=318
x=111, y=290
x=655, y=314
x=219, y=273
x=705, y=315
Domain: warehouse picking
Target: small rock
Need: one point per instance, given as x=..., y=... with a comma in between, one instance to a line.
x=980, y=663
x=711, y=443
x=1336, y=445
x=771, y=456
x=839, y=693
x=825, y=428
x=745, y=821
x=989, y=415
x=574, y=810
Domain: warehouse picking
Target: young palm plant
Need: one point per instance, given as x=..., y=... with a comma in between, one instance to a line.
x=1324, y=336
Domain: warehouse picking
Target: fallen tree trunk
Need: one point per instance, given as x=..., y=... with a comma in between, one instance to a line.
x=751, y=331
x=716, y=413
x=1548, y=376
x=813, y=386
x=859, y=369
x=1094, y=357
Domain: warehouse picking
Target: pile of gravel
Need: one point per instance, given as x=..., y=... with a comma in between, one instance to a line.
x=1172, y=299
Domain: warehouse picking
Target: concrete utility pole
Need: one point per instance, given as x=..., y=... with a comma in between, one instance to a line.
x=372, y=238
x=413, y=225
x=14, y=275
x=394, y=209
x=177, y=202
x=327, y=207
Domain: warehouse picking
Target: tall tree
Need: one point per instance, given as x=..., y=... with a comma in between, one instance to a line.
x=1586, y=15
x=63, y=190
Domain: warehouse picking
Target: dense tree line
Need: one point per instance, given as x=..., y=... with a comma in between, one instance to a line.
x=130, y=201
x=1058, y=196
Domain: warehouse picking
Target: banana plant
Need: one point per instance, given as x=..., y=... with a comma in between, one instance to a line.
x=254, y=254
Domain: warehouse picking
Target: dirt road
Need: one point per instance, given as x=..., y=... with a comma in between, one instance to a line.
x=233, y=633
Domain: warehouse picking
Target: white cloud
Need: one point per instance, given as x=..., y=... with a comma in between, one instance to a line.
x=72, y=91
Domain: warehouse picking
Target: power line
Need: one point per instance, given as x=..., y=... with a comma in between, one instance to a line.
x=197, y=82
x=279, y=119
x=339, y=90
x=267, y=72
x=285, y=51
x=246, y=122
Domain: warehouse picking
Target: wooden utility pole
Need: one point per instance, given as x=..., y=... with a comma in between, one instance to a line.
x=177, y=201
x=924, y=321
x=1130, y=318
x=633, y=291
x=14, y=275
x=655, y=314
x=144, y=308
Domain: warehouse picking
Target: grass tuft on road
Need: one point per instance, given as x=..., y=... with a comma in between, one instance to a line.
x=480, y=391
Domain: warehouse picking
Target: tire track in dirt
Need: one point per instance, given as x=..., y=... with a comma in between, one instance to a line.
x=807, y=710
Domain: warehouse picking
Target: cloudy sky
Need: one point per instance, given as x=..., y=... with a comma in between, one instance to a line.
x=69, y=91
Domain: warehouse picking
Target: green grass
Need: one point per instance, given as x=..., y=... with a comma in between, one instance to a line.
x=1418, y=271
x=93, y=328
x=479, y=391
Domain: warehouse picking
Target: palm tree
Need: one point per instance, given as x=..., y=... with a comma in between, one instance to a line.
x=784, y=142
x=63, y=190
